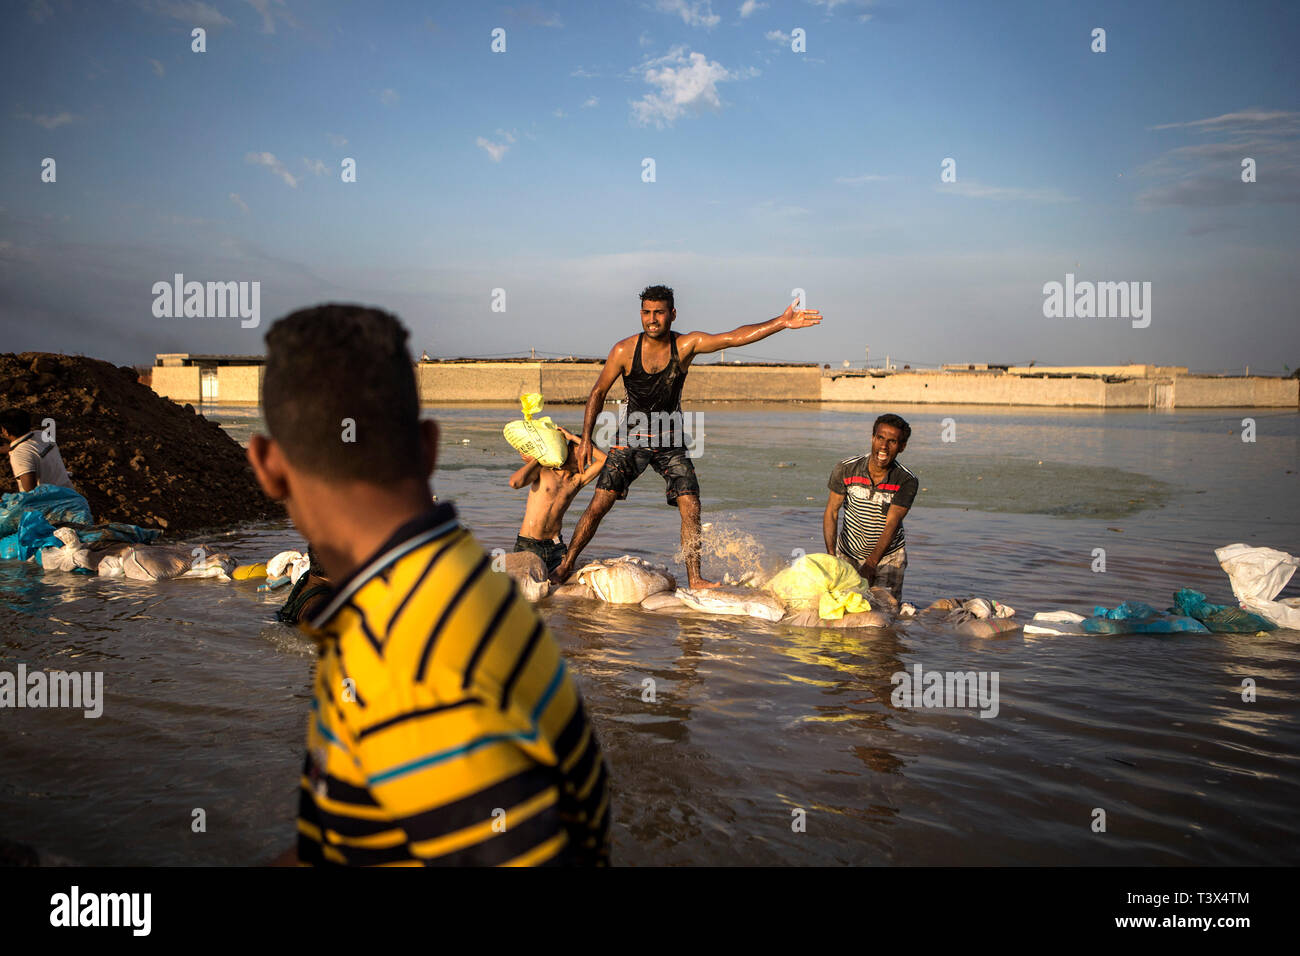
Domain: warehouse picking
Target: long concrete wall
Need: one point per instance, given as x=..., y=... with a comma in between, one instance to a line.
x=570, y=383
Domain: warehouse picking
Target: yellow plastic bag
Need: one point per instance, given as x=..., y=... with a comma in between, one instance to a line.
x=537, y=437
x=249, y=572
x=821, y=581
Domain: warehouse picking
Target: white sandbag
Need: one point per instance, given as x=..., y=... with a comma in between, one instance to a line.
x=527, y=570
x=663, y=601
x=1258, y=575
x=746, y=601
x=210, y=565
x=155, y=562
x=851, y=620
x=69, y=556
x=987, y=627
x=1055, y=622
x=290, y=564
x=626, y=580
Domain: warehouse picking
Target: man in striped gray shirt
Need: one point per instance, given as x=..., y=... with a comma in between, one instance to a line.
x=876, y=492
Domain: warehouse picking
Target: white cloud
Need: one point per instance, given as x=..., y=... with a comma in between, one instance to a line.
x=584, y=74
x=270, y=10
x=1248, y=117
x=314, y=165
x=389, y=97
x=972, y=190
x=496, y=150
x=749, y=6
x=158, y=68
x=559, y=113
x=270, y=162
x=337, y=140
x=50, y=122
x=533, y=15
x=776, y=36
x=590, y=102
x=243, y=206
x=694, y=13
x=193, y=12
x=685, y=82
x=859, y=180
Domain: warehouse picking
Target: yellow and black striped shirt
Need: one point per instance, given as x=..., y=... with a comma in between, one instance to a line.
x=445, y=729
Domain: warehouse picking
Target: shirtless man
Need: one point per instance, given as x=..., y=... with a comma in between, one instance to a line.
x=654, y=365
x=552, y=491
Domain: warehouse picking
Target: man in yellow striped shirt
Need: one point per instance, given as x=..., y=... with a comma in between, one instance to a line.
x=445, y=728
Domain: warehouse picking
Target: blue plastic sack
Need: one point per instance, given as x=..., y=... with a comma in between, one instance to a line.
x=58, y=505
x=118, y=531
x=1219, y=618
x=1128, y=611
x=1157, y=624
x=33, y=533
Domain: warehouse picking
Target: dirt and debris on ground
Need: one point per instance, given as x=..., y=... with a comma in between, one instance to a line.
x=135, y=456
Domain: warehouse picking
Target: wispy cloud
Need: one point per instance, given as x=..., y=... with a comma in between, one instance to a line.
x=274, y=165
x=533, y=16
x=193, y=12
x=973, y=190
x=389, y=97
x=859, y=180
x=48, y=121
x=270, y=11
x=243, y=206
x=684, y=82
x=590, y=102
x=830, y=6
x=158, y=68
x=584, y=74
x=750, y=6
x=496, y=150
x=1208, y=174
x=694, y=13
x=559, y=113
x=1253, y=117
x=337, y=140
x=314, y=166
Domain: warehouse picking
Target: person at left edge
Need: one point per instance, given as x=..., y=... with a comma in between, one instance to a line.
x=445, y=728
x=34, y=460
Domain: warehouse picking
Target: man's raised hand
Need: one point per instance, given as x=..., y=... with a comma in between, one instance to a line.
x=800, y=318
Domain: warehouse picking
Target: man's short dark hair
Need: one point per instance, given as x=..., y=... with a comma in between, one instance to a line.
x=336, y=362
x=904, y=429
x=658, y=293
x=16, y=421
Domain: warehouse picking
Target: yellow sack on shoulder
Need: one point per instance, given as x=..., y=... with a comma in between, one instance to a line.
x=537, y=437
x=821, y=581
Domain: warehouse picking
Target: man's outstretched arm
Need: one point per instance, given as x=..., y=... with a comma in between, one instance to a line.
x=698, y=343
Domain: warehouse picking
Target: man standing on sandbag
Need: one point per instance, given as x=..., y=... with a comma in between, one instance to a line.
x=445, y=728
x=879, y=491
x=34, y=460
x=655, y=397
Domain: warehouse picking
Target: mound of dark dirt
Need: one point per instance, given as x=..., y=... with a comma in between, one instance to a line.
x=135, y=456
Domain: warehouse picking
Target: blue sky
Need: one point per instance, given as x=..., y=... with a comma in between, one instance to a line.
x=774, y=170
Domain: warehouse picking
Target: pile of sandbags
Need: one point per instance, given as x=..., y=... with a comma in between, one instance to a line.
x=975, y=617
x=144, y=562
x=822, y=583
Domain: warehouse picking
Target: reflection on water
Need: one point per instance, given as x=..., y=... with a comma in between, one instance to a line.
x=749, y=721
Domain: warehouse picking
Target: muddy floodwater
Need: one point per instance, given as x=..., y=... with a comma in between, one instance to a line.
x=764, y=744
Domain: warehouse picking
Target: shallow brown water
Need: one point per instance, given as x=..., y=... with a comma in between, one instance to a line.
x=206, y=699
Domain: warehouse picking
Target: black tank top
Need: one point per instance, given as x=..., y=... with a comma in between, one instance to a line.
x=660, y=392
